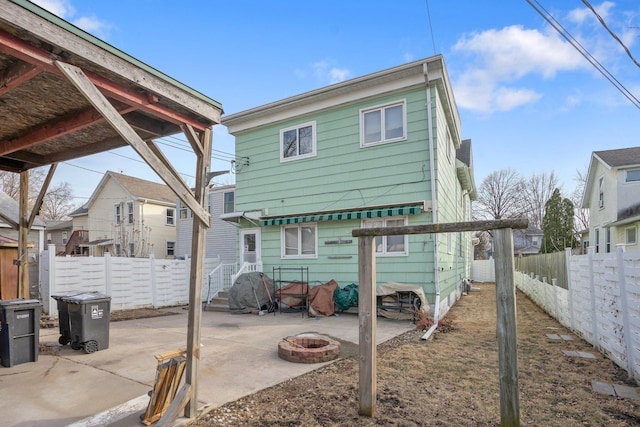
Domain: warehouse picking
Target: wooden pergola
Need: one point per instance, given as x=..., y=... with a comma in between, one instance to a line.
x=65, y=94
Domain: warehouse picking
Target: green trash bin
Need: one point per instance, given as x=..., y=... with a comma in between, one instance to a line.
x=89, y=315
x=19, y=331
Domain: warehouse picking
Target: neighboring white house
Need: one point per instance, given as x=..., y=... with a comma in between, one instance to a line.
x=612, y=195
x=128, y=216
x=222, y=237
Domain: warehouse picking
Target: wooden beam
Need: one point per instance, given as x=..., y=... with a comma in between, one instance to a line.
x=193, y=139
x=23, y=234
x=98, y=100
x=176, y=406
x=506, y=328
x=198, y=246
x=367, y=325
x=14, y=225
x=56, y=129
x=452, y=227
x=16, y=75
x=43, y=190
x=22, y=50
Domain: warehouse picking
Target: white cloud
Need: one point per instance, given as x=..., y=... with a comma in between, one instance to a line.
x=326, y=73
x=62, y=8
x=65, y=10
x=93, y=25
x=498, y=58
x=583, y=14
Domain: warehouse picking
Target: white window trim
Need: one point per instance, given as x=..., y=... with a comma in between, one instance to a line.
x=167, y=216
x=626, y=236
x=626, y=176
x=130, y=212
x=384, y=253
x=299, y=156
x=224, y=202
x=117, y=213
x=283, y=252
x=166, y=248
x=402, y=102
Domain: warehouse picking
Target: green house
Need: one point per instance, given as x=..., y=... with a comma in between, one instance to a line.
x=380, y=150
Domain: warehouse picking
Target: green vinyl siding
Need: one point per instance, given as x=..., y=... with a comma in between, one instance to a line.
x=342, y=175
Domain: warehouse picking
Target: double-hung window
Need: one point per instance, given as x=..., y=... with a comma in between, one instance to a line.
x=601, y=192
x=130, y=212
x=630, y=235
x=389, y=245
x=300, y=241
x=298, y=142
x=229, y=202
x=117, y=213
x=382, y=124
x=171, y=216
x=171, y=248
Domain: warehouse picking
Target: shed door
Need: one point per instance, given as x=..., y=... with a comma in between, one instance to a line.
x=8, y=273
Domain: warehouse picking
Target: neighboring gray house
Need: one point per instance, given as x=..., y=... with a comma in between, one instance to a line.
x=222, y=237
x=527, y=242
x=59, y=233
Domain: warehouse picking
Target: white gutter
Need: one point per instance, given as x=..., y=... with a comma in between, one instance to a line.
x=434, y=209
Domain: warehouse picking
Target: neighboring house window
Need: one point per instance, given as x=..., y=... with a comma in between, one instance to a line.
x=381, y=124
x=633, y=175
x=229, y=202
x=132, y=250
x=185, y=212
x=300, y=241
x=171, y=248
x=64, y=237
x=117, y=213
x=48, y=237
x=630, y=235
x=130, y=212
x=607, y=240
x=597, y=240
x=171, y=216
x=116, y=249
x=388, y=245
x=298, y=142
x=601, y=192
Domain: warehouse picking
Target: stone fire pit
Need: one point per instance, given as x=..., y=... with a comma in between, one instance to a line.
x=308, y=348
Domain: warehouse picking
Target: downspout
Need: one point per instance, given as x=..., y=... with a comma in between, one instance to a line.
x=434, y=208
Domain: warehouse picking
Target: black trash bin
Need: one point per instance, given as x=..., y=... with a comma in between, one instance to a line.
x=19, y=331
x=89, y=315
x=63, y=318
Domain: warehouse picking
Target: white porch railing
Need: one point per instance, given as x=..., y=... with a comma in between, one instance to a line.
x=219, y=279
x=247, y=267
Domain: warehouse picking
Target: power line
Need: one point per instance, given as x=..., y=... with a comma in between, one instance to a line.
x=604, y=24
x=433, y=40
x=584, y=52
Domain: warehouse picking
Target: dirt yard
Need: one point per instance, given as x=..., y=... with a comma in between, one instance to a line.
x=449, y=380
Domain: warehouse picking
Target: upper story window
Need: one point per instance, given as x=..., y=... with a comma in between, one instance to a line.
x=171, y=216
x=130, y=212
x=117, y=214
x=229, y=202
x=633, y=175
x=630, y=235
x=300, y=241
x=601, y=192
x=185, y=212
x=298, y=142
x=389, y=245
x=382, y=124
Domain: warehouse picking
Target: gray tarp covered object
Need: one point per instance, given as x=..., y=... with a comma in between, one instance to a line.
x=242, y=298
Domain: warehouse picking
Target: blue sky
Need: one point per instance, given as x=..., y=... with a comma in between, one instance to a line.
x=527, y=99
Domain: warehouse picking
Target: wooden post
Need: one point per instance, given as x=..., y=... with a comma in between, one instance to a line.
x=506, y=328
x=23, y=234
x=367, y=324
x=195, y=278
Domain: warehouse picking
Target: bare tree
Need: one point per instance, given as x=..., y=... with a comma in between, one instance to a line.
x=581, y=215
x=499, y=195
x=57, y=202
x=535, y=191
x=10, y=184
x=482, y=246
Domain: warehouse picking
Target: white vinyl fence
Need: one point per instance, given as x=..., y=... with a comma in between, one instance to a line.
x=130, y=282
x=601, y=304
